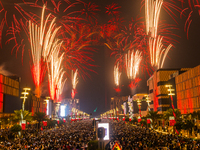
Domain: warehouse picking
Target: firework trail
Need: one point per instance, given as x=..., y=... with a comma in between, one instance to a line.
x=55, y=71
x=133, y=61
x=117, y=75
x=41, y=39
x=157, y=52
x=190, y=10
x=74, y=83
x=152, y=13
x=134, y=83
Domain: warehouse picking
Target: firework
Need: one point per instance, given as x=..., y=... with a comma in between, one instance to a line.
x=74, y=83
x=112, y=9
x=190, y=11
x=55, y=72
x=79, y=51
x=134, y=83
x=152, y=13
x=132, y=63
x=117, y=74
x=157, y=52
x=41, y=45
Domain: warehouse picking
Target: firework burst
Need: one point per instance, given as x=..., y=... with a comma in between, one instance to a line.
x=74, y=83
x=41, y=39
x=193, y=7
x=157, y=52
x=117, y=75
x=55, y=72
x=152, y=13
x=133, y=61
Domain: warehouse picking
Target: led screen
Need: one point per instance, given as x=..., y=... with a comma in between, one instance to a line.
x=106, y=127
x=62, y=111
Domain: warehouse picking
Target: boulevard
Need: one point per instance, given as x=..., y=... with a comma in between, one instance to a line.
x=80, y=135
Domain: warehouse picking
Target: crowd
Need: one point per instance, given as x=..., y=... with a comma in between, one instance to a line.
x=77, y=135
x=131, y=137
x=71, y=136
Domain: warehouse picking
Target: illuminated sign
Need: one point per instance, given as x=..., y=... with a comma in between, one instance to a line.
x=47, y=111
x=62, y=110
x=106, y=127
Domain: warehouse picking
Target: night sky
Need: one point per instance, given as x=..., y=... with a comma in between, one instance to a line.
x=95, y=92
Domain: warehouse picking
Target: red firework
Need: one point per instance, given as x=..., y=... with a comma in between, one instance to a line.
x=73, y=93
x=89, y=11
x=78, y=49
x=134, y=83
x=131, y=37
x=193, y=6
x=18, y=19
x=112, y=9
x=77, y=42
x=117, y=89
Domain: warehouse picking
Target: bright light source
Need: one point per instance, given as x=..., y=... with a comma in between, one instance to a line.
x=106, y=127
x=47, y=111
x=62, y=110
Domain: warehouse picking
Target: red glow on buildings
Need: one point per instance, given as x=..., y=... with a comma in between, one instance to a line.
x=1, y=101
x=155, y=100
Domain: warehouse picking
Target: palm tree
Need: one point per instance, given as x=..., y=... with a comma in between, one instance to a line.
x=195, y=115
x=39, y=116
x=188, y=125
x=169, y=113
x=18, y=115
x=154, y=116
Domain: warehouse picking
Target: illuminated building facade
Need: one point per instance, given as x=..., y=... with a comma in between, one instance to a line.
x=188, y=90
x=142, y=98
x=9, y=94
x=70, y=103
x=116, y=102
x=158, y=94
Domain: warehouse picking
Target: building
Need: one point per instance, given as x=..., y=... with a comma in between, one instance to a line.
x=117, y=101
x=188, y=90
x=9, y=94
x=160, y=101
x=142, y=98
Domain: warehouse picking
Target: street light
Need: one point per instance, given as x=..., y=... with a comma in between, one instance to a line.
x=148, y=101
x=139, y=105
x=170, y=90
x=47, y=104
x=24, y=97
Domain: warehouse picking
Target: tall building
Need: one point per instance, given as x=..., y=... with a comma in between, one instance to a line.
x=158, y=93
x=188, y=90
x=9, y=94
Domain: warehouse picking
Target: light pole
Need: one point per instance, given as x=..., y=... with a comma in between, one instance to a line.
x=170, y=90
x=139, y=105
x=148, y=101
x=24, y=97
